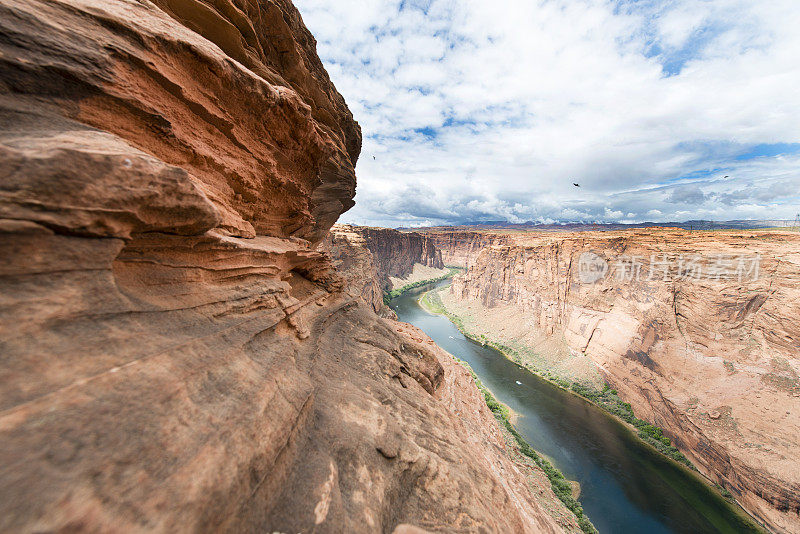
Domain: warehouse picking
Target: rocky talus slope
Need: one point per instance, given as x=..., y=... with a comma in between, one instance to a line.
x=176, y=355
x=714, y=359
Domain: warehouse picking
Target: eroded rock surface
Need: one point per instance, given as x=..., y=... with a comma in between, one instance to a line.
x=355, y=263
x=713, y=360
x=459, y=248
x=395, y=253
x=374, y=260
x=176, y=355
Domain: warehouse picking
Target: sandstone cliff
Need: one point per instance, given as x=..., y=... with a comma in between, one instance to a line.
x=355, y=263
x=395, y=253
x=459, y=248
x=175, y=353
x=373, y=259
x=714, y=360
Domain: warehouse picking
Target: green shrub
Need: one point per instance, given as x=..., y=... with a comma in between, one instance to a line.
x=389, y=295
x=724, y=492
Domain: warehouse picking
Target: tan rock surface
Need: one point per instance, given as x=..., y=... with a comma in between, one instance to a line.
x=175, y=354
x=713, y=362
x=374, y=260
x=272, y=162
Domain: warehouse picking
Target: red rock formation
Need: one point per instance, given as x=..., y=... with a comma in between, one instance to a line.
x=367, y=257
x=713, y=362
x=460, y=247
x=395, y=253
x=354, y=262
x=175, y=355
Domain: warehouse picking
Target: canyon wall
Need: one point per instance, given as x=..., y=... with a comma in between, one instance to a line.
x=395, y=253
x=713, y=359
x=176, y=354
x=459, y=248
x=369, y=258
x=355, y=263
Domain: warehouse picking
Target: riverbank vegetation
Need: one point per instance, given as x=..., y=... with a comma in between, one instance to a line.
x=389, y=295
x=560, y=485
x=650, y=434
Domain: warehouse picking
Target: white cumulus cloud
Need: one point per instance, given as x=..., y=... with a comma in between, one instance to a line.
x=659, y=109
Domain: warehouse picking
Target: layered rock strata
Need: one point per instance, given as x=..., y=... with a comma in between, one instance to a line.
x=355, y=263
x=460, y=247
x=176, y=355
x=365, y=257
x=395, y=253
x=713, y=359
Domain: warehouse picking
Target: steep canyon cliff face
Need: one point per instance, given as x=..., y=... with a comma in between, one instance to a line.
x=395, y=253
x=176, y=352
x=459, y=248
x=369, y=258
x=713, y=360
x=356, y=264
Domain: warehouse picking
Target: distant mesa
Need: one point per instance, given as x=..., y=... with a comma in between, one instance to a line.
x=738, y=224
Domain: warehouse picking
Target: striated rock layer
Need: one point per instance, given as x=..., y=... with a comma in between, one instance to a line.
x=370, y=258
x=712, y=359
x=395, y=253
x=175, y=353
x=459, y=248
x=355, y=263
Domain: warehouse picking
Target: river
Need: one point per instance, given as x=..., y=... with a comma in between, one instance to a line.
x=626, y=486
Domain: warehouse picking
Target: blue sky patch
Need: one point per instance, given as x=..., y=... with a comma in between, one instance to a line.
x=770, y=150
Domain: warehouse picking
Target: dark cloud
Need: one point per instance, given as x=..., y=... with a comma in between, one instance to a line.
x=778, y=191
x=687, y=195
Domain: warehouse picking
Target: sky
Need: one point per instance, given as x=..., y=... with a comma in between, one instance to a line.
x=475, y=110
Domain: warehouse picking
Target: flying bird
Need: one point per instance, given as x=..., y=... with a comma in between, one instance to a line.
x=724, y=177
x=576, y=185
